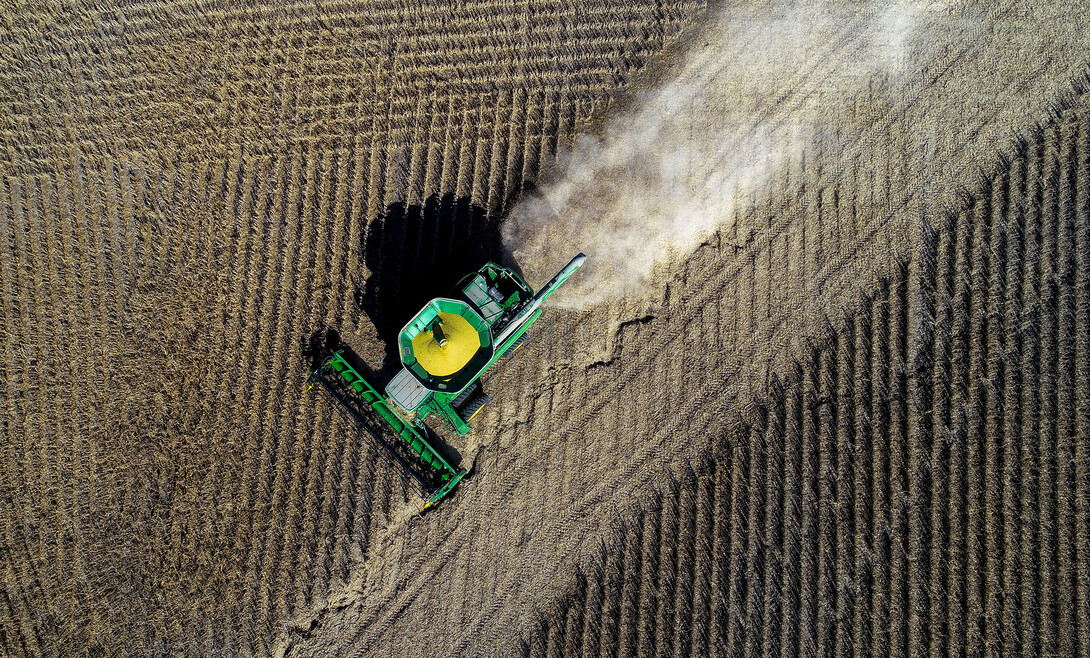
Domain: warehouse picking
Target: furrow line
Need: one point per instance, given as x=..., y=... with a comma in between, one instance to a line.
x=948, y=357
x=517, y=142
x=863, y=486
x=15, y=250
x=827, y=490
x=995, y=415
x=478, y=181
x=1012, y=420
x=88, y=296
x=250, y=484
x=957, y=419
x=631, y=603
x=238, y=183
x=610, y=611
x=443, y=162
x=881, y=459
x=1030, y=328
x=297, y=307
x=773, y=531
x=977, y=402
x=1046, y=583
x=63, y=454
x=704, y=594
x=187, y=397
x=573, y=631
x=279, y=446
x=53, y=565
x=647, y=608
x=42, y=362
x=756, y=547
x=423, y=122
x=919, y=423
x=87, y=484
x=666, y=578
x=792, y=513
x=324, y=296
x=21, y=633
x=897, y=495
x=353, y=508
x=300, y=308
x=846, y=591
x=810, y=502
x=1082, y=391
x=212, y=486
x=683, y=594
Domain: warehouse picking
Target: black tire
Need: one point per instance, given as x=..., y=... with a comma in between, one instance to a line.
x=465, y=395
x=472, y=406
x=518, y=342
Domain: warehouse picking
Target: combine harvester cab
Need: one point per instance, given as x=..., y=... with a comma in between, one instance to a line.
x=444, y=351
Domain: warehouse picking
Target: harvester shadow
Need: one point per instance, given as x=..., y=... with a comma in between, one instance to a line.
x=416, y=253
x=321, y=344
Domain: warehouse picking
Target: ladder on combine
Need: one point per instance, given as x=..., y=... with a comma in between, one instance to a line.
x=397, y=439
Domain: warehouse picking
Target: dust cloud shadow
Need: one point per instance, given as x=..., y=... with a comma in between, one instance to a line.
x=418, y=252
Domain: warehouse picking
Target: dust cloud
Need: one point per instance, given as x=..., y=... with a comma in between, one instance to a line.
x=755, y=88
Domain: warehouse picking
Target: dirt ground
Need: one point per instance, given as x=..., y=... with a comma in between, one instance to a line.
x=853, y=419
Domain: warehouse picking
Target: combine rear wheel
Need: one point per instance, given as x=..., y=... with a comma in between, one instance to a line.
x=470, y=391
x=473, y=405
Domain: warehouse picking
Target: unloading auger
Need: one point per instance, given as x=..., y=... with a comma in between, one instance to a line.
x=444, y=350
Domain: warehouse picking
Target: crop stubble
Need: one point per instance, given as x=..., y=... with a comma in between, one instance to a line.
x=186, y=188
x=787, y=270
x=991, y=492
x=209, y=507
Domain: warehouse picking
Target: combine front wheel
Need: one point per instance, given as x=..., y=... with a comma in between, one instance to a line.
x=518, y=342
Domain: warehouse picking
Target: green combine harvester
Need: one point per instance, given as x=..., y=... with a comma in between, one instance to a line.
x=444, y=349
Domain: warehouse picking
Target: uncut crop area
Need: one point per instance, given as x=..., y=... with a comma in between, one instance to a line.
x=849, y=415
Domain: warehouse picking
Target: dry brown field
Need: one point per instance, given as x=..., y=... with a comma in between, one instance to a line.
x=854, y=419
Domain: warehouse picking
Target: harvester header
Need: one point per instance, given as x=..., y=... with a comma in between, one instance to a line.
x=444, y=349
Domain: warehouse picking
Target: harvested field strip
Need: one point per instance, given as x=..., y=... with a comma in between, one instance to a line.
x=211, y=215
x=711, y=279
x=931, y=450
x=179, y=210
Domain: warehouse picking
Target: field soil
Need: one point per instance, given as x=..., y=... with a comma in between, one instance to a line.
x=854, y=418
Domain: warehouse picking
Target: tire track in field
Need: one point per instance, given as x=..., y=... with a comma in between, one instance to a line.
x=257, y=106
x=1082, y=393
x=966, y=300
x=903, y=578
